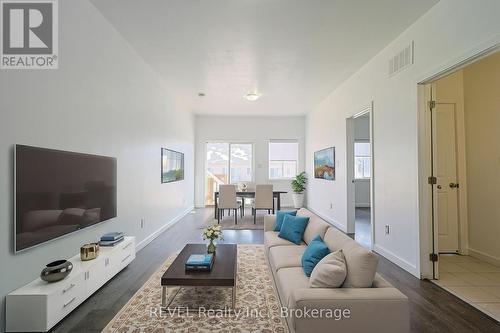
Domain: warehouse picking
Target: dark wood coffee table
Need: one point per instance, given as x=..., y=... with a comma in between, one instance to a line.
x=223, y=273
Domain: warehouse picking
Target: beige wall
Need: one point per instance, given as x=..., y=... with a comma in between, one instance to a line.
x=482, y=117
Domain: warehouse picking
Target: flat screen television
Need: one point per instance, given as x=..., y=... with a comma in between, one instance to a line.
x=59, y=192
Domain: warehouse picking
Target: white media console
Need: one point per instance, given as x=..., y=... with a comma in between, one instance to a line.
x=39, y=305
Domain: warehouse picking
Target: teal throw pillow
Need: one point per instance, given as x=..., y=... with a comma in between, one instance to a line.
x=315, y=251
x=293, y=228
x=280, y=215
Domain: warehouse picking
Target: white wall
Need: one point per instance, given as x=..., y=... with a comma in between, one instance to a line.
x=447, y=34
x=362, y=186
x=482, y=123
x=103, y=99
x=257, y=130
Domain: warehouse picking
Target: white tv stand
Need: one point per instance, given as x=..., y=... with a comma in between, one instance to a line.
x=39, y=305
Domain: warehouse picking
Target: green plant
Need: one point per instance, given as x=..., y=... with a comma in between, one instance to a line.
x=299, y=183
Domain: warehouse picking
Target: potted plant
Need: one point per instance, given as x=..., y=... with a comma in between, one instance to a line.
x=212, y=233
x=298, y=187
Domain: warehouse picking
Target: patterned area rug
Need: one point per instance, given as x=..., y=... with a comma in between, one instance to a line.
x=257, y=304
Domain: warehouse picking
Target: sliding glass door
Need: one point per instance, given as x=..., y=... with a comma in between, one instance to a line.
x=227, y=163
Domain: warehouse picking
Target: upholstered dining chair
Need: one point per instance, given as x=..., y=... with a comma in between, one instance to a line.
x=227, y=200
x=264, y=200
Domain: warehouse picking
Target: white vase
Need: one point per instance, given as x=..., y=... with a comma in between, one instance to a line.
x=298, y=200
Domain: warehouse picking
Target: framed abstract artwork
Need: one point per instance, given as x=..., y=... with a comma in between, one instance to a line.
x=324, y=164
x=172, y=166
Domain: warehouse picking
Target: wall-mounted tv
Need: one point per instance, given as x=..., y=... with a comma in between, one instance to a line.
x=59, y=192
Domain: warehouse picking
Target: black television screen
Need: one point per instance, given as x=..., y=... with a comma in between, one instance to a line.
x=59, y=192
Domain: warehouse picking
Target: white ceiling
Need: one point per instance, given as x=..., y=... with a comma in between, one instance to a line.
x=293, y=52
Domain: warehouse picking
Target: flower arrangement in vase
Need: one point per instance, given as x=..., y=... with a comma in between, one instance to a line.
x=212, y=233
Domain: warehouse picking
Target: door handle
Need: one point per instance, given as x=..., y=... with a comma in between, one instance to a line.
x=439, y=187
x=454, y=185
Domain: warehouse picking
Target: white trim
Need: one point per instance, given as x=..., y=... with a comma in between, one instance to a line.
x=474, y=54
x=331, y=221
x=158, y=232
x=397, y=260
x=484, y=256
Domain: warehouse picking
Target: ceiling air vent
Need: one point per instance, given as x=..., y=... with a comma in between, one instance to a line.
x=401, y=60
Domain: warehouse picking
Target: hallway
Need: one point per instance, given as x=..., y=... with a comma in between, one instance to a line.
x=363, y=231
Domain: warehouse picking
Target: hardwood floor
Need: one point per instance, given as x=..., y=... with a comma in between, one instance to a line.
x=432, y=309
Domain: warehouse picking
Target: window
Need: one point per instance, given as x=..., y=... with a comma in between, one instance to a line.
x=362, y=160
x=241, y=162
x=227, y=163
x=283, y=159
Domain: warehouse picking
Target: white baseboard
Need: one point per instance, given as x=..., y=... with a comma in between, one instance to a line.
x=407, y=266
x=484, y=256
x=158, y=232
x=336, y=224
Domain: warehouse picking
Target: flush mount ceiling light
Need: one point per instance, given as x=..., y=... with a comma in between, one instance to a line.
x=252, y=96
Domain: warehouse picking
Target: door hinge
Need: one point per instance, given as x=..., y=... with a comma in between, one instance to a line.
x=432, y=104
x=433, y=257
x=432, y=180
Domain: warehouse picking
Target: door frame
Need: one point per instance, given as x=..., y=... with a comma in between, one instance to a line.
x=427, y=227
x=350, y=190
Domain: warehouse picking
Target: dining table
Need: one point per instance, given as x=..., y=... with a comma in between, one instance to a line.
x=249, y=194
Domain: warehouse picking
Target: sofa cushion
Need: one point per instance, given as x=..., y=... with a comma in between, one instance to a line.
x=316, y=225
x=271, y=239
x=361, y=266
x=286, y=256
x=330, y=272
x=336, y=239
x=293, y=228
x=316, y=250
x=288, y=280
x=280, y=216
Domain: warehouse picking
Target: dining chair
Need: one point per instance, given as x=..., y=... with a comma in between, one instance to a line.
x=264, y=200
x=227, y=200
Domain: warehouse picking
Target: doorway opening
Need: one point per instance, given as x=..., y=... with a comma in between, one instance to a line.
x=360, y=174
x=463, y=134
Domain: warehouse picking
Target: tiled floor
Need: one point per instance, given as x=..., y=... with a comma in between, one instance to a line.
x=472, y=280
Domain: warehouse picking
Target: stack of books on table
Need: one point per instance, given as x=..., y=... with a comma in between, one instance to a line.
x=111, y=239
x=200, y=262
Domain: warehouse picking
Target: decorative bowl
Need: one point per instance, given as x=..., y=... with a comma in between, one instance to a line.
x=56, y=271
x=89, y=251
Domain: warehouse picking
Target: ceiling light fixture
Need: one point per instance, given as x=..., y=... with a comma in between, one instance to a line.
x=252, y=96
x=201, y=94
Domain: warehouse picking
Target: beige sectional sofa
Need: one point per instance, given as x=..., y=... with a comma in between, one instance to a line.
x=380, y=308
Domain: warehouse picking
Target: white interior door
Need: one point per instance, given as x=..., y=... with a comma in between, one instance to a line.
x=445, y=170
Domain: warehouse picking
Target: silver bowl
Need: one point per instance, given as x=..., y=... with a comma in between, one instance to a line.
x=56, y=271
